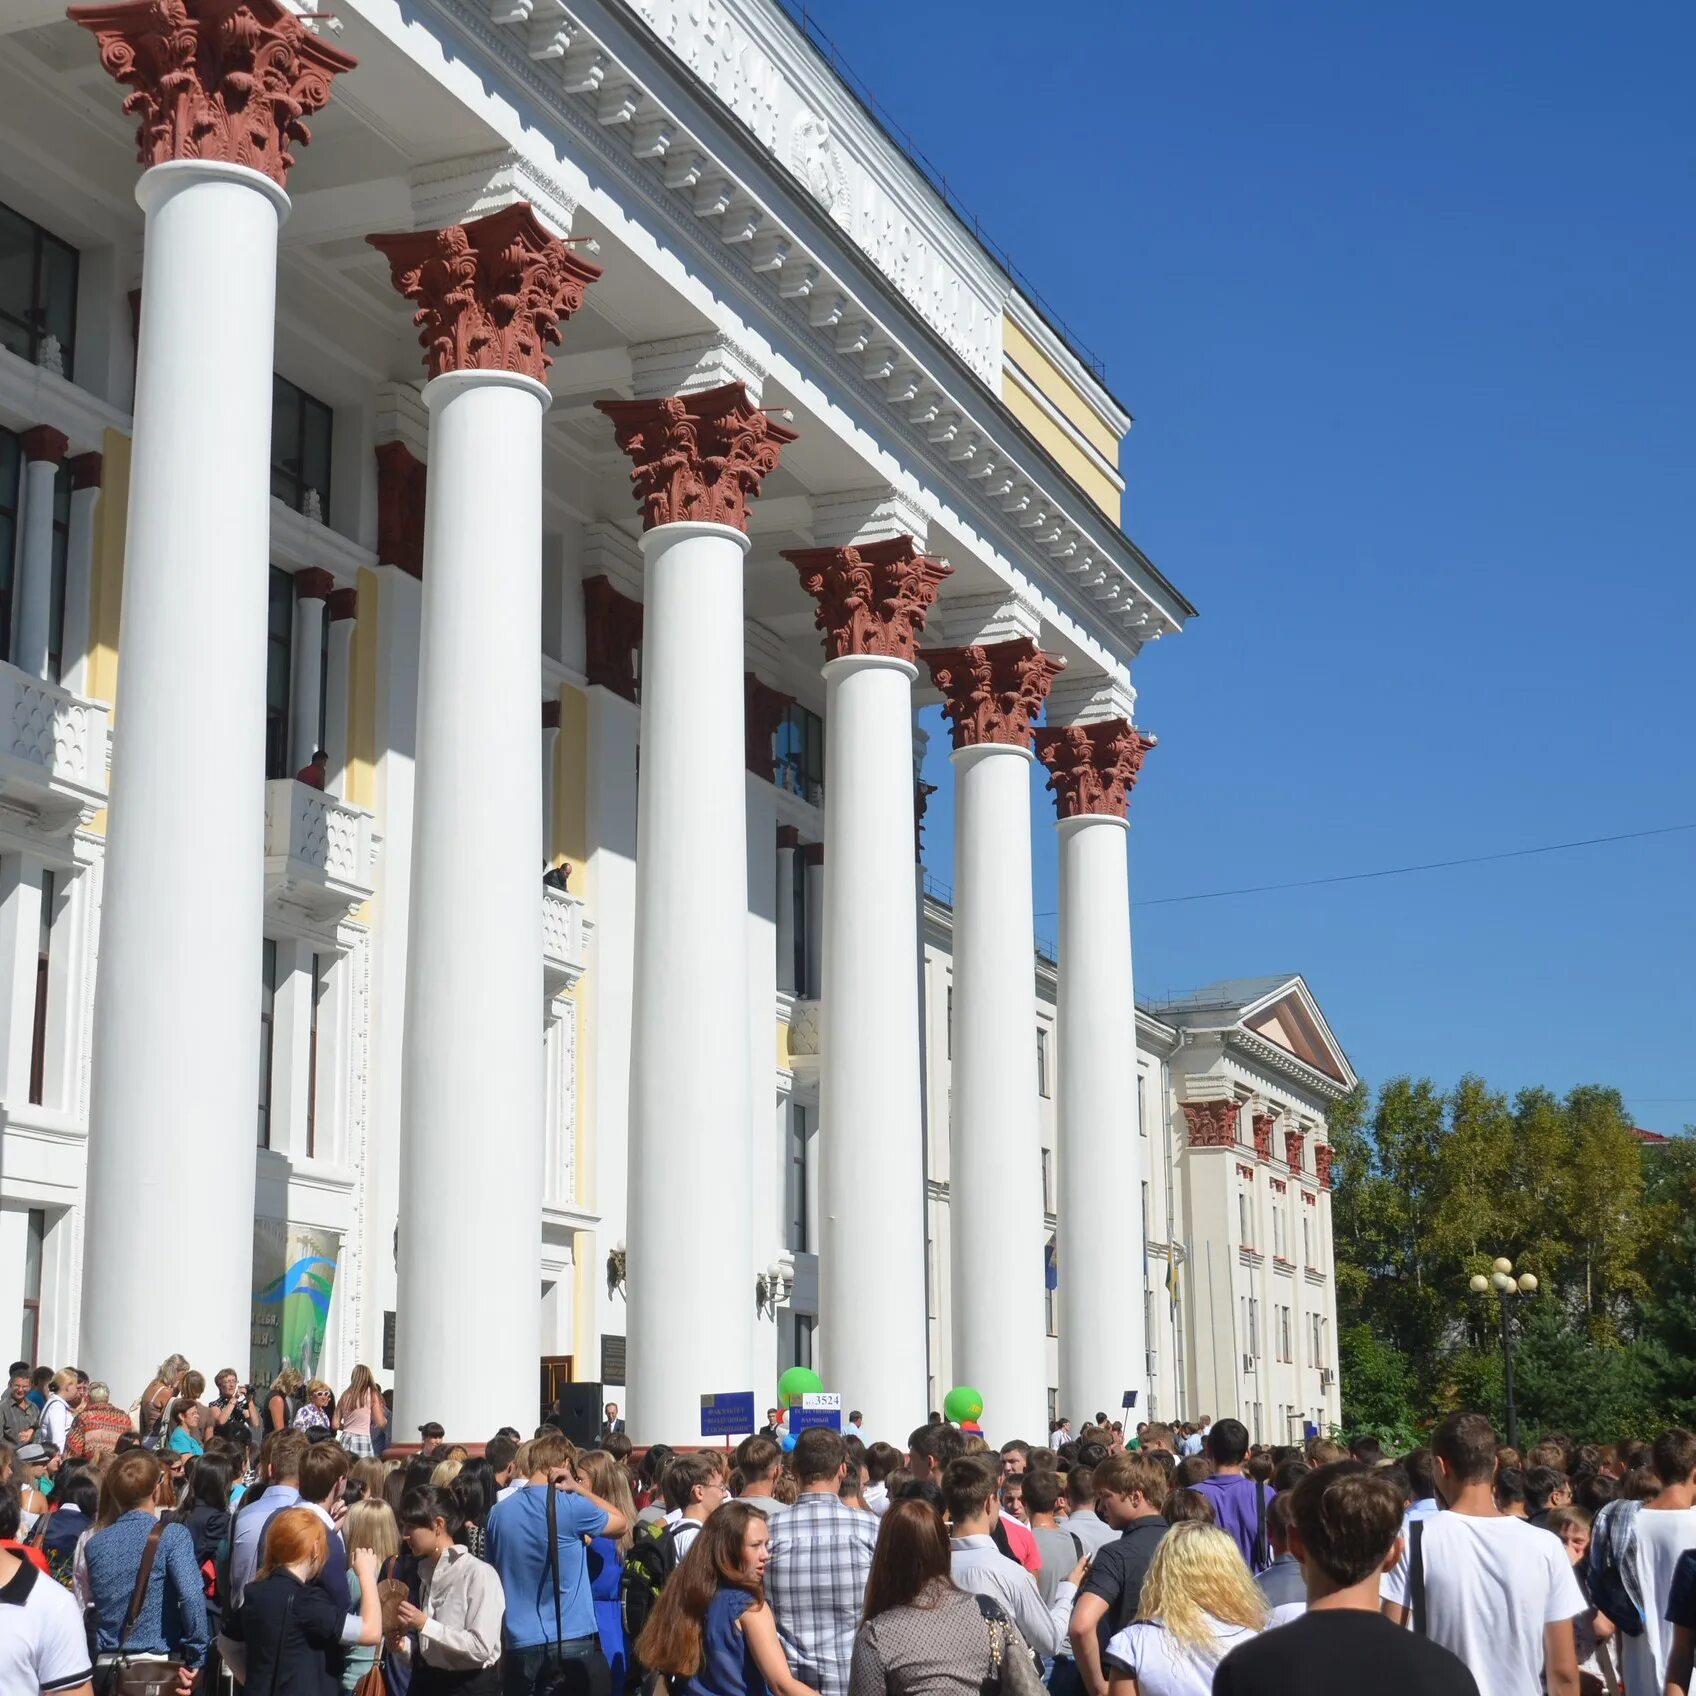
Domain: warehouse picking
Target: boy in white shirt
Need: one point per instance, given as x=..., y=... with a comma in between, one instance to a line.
x=1497, y=1592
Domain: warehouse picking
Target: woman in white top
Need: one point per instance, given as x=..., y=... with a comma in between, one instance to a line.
x=458, y=1642
x=1199, y=1601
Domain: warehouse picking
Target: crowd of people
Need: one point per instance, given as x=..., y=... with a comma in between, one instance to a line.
x=264, y=1541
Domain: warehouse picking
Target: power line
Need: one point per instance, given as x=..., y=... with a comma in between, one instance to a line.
x=1424, y=866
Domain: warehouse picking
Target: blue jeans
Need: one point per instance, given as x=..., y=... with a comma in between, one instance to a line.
x=573, y=1668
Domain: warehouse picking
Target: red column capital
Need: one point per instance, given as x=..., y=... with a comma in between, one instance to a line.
x=223, y=80
x=991, y=691
x=343, y=604
x=1264, y=1125
x=873, y=598
x=45, y=443
x=1212, y=1124
x=1295, y=1146
x=699, y=458
x=314, y=584
x=1092, y=768
x=1322, y=1164
x=492, y=293
x=86, y=471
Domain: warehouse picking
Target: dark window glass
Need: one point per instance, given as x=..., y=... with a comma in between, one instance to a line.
x=300, y=446
x=318, y=983
x=267, y=1018
x=38, y=1036
x=61, y=551
x=800, y=754
x=35, y=1243
x=11, y=483
x=279, y=667
x=38, y=291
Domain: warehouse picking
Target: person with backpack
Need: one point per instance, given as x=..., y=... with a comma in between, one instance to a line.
x=537, y=1544
x=1238, y=1500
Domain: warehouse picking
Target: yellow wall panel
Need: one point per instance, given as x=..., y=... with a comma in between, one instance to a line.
x=107, y=596
x=362, y=750
x=571, y=785
x=1083, y=470
x=1059, y=389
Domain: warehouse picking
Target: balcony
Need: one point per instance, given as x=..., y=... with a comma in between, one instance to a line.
x=320, y=862
x=565, y=940
x=53, y=759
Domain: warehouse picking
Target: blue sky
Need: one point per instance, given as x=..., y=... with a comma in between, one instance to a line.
x=1401, y=296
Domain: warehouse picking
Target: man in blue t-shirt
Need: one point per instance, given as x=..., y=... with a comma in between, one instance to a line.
x=548, y=1638
x=1238, y=1503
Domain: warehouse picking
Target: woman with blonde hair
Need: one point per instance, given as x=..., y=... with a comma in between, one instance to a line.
x=360, y=1412
x=317, y=1408
x=609, y=1480
x=1199, y=1601
x=150, y=1409
x=282, y=1399
x=370, y=1524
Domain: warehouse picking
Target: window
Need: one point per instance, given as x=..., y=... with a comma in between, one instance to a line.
x=1254, y=1326
x=319, y=982
x=279, y=667
x=1053, y=1403
x=1145, y=1224
x=1048, y=1180
x=300, y=447
x=797, y=896
x=795, y=1186
x=1316, y=1344
x=805, y=1324
x=1042, y=1062
x=56, y=587
x=1142, y=1104
x=800, y=754
x=950, y=1022
x=35, y=1241
x=1243, y=1234
x=1286, y=1347
x=38, y=293
x=267, y=1021
x=1277, y=1229
x=11, y=501
x=1306, y=1240
x=38, y=1036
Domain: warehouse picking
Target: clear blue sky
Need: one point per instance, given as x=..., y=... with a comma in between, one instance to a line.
x=1403, y=298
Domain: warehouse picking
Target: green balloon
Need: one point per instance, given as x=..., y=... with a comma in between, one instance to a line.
x=797, y=1382
x=963, y=1404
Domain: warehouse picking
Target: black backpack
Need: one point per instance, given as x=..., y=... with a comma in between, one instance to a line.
x=649, y=1562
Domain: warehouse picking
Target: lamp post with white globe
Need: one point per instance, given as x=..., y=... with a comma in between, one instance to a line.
x=1509, y=1289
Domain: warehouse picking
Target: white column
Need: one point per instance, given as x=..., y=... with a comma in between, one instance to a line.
x=766, y=1150
x=1102, y=1346
x=786, y=846
x=20, y=949
x=78, y=626
x=472, y=1066
x=995, y=1158
x=812, y=915
x=343, y=612
x=691, y=1272
x=44, y=452
x=177, y=1018
x=306, y=688
x=871, y=1178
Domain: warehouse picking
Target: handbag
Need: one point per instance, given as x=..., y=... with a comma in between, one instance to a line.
x=122, y=1676
x=554, y=1681
x=1012, y=1669
x=390, y=1594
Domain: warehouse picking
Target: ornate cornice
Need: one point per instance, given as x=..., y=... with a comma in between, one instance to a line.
x=401, y=480
x=1092, y=768
x=612, y=636
x=1212, y=1124
x=873, y=597
x=1277, y=1059
x=492, y=292
x=699, y=458
x=224, y=80
x=763, y=710
x=991, y=691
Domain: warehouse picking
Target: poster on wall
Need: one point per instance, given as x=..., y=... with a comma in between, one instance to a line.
x=294, y=1273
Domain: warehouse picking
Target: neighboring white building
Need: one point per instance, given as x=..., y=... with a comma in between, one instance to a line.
x=1236, y=1294
x=270, y=1076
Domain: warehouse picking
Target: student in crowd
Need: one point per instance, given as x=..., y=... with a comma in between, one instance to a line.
x=282, y=1400
x=820, y=1560
x=1239, y=1501
x=289, y=1631
x=361, y=1413
x=759, y=1461
x=43, y=1647
x=1186, y=1504
x=1282, y=1583
x=279, y=1463
x=1665, y=1527
x=882, y=1459
x=1345, y=1525
x=323, y=1473
x=1132, y=1491
x=458, y=1616
x=150, y=1409
x=97, y=1426
x=549, y=1651
x=712, y=1632
x=1496, y=1591
x=602, y=1476
x=1594, y=1636
x=1084, y=1520
x=64, y=1397
x=1060, y=1549
x=75, y=1503
x=171, y=1622
x=1199, y=1601
x=694, y=1489
x=370, y=1527
x=969, y=1488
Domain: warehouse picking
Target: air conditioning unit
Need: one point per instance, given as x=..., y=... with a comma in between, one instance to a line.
x=1326, y=1375
x=1248, y=1363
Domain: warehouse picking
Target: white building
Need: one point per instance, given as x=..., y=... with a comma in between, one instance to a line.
x=269, y=1078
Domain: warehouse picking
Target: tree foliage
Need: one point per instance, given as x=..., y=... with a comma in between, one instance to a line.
x=1432, y=1186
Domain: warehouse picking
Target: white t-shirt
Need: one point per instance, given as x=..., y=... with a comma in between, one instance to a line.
x=42, y=1642
x=1491, y=1586
x=1663, y=1534
x=1166, y=1667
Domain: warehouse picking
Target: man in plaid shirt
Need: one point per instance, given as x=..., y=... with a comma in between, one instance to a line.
x=821, y=1557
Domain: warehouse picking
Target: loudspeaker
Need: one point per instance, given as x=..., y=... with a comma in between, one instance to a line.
x=578, y=1413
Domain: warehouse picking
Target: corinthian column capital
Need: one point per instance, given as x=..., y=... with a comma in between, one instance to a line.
x=873, y=597
x=992, y=691
x=1092, y=768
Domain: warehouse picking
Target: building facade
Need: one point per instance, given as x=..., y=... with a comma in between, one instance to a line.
x=445, y=445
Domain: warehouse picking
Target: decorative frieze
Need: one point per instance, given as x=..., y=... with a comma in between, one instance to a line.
x=873, y=597
x=1212, y=1124
x=1092, y=768
x=612, y=631
x=699, y=458
x=992, y=691
x=492, y=293
x=224, y=80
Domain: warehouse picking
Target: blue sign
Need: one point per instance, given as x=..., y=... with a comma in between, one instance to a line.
x=728, y=1416
x=814, y=1419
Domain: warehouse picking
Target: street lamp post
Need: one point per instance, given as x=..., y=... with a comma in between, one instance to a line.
x=1509, y=1290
